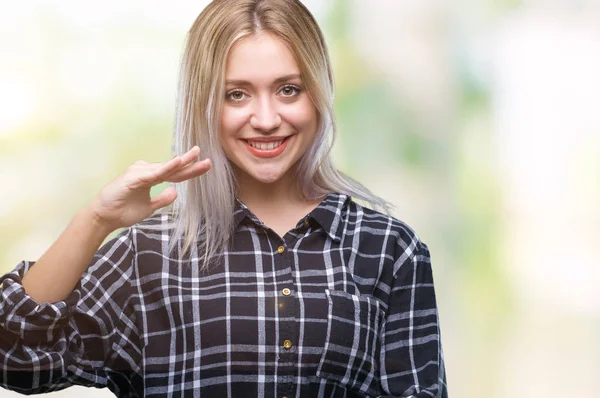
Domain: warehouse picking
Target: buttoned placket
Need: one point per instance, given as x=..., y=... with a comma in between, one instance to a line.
x=287, y=313
x=287, y=306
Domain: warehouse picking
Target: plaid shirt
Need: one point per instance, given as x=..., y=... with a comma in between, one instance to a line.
x=342, y=306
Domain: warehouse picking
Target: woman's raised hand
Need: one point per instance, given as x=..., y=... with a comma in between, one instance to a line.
x=126, y=200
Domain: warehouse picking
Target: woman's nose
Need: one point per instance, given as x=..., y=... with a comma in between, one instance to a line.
x=265, y=116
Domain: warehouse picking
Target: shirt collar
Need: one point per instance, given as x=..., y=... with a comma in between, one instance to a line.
x=328, y=214
x=241, y=211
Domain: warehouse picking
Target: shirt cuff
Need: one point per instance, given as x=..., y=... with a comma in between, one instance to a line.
x=21, y=315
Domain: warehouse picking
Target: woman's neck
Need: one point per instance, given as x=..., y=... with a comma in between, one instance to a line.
x=279, y=193
x=279, y=205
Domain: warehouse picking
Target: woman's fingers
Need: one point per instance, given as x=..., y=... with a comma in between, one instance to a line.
x=156, y=173
x=178, y=162
x=190, y=171
x=190, y=155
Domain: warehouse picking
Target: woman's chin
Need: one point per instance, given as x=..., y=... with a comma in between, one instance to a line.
x=263, y=174
x=267, y=176
x=267, y=179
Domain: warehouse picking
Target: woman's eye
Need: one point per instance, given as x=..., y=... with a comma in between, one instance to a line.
x=286, y=91
x=290, y=91
x=236, y=95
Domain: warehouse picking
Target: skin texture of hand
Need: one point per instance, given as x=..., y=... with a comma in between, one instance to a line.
x=126, y=200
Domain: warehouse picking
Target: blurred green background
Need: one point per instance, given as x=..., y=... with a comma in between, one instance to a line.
x=478, y=120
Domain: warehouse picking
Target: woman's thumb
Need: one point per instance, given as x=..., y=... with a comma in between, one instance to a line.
x=163, y=199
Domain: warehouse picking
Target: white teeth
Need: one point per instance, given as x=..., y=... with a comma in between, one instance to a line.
x=266, y=145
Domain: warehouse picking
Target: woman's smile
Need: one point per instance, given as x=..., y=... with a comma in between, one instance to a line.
x=267, y=148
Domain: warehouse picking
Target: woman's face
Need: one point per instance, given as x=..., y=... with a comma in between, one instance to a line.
x=268, y=120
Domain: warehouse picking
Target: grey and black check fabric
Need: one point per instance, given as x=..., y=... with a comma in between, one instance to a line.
x=343, y=305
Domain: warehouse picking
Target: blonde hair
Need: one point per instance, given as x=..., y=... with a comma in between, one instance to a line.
x=203, y=211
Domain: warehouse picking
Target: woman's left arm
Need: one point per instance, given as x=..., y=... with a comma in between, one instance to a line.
x=411, y=360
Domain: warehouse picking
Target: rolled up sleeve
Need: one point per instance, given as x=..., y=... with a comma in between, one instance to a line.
x=52, y=346
x=412, y=363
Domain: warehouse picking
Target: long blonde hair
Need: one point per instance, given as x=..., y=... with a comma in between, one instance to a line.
x=203, y=211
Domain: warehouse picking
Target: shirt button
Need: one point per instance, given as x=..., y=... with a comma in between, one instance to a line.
x=286, y=292
x=280, y=249
x=287, y=344
x=306, y=222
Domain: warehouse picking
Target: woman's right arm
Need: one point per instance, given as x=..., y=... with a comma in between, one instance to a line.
x=63, y=317
x=120, y=204
x=58, y=270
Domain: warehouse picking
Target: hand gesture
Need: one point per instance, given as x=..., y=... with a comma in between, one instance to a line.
x=126, y=200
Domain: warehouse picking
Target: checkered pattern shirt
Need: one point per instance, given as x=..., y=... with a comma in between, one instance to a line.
x=342, y=306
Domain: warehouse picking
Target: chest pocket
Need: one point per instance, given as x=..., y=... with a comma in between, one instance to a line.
x=352, y=345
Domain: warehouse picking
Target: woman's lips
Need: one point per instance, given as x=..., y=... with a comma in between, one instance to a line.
x=267, y=153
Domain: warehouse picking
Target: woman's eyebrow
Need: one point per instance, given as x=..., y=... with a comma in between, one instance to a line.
x=279, y=80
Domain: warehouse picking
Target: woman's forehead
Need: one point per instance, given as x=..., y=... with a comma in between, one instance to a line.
x=260, y=58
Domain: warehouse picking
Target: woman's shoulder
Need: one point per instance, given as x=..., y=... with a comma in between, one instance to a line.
x=381, y=221
x=400, y=238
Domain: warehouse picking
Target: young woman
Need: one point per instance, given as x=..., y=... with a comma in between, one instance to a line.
x=259, y=275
